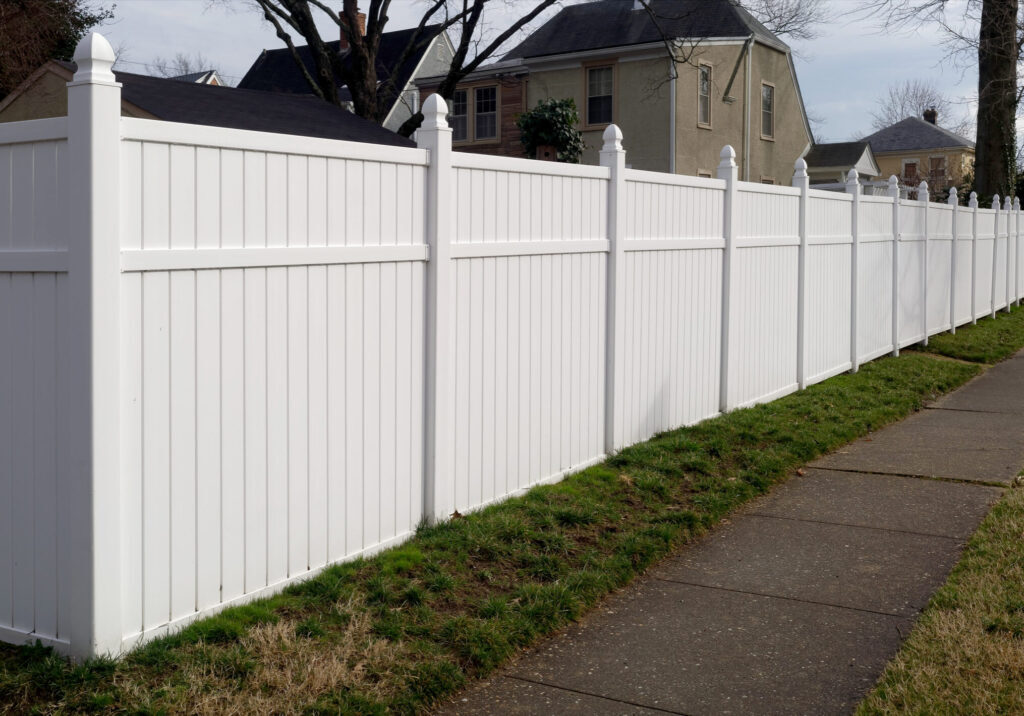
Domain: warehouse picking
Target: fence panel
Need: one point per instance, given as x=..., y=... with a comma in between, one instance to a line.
x=912, y=272
x=940, y=248
x=983, y=267
x=34, y=234
x=765, y=280
x=828, y=287
x=874, y=278
x=272, y=384
x=964, y=264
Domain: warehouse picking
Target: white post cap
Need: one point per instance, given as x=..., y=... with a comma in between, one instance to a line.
x=952, y=199
x=995, y=201
x=612, y=139
x=973, y=203
x=435, y=109
x=1008, y=204
x=727, y=156
x=95, y=58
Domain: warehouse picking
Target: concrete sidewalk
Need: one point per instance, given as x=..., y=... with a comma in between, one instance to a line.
x=795, y=605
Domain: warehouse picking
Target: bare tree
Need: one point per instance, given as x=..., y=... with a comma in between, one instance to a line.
x=991, y=31
x=34, y=31
x=796, y=19
x=181, y=64
x=910, y=99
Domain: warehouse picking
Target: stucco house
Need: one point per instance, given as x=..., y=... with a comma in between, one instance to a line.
x=277, y=71
x=44, y=94
x=732, y=82
x=917, y=148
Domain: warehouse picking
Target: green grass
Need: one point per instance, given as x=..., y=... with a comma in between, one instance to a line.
x=990, y=341
x=407, y=628
x=966, y=652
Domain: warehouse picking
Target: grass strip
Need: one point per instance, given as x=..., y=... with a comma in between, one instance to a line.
x=405, y=629
x=990, y=341
x=965, y=655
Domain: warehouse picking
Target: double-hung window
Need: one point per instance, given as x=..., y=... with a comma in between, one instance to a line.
x=600, y=86
x=474, y=114
x=460, y=116
x=767, y=111
x=704, y=96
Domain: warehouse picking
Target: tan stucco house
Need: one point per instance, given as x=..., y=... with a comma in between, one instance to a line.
x=917, y=148
x=731, y=82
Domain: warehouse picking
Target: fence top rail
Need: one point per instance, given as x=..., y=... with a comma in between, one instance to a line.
x=465, y=160
x=749, y=187
x=197, y=135
x=648, y=177
x=829, y=195
x=874, y=199
x=34, y=130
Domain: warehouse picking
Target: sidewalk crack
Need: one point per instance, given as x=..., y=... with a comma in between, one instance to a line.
x=596, y=696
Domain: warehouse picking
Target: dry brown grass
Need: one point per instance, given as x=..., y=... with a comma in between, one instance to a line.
x=966, y=653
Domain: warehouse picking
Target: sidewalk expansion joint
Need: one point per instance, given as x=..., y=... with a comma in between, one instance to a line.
x=596, y=696
x=969, y=410
x=960, y=540
x=789, y=599
x=936, y=478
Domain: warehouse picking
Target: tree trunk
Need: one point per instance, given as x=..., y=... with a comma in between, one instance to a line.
x=995, y=152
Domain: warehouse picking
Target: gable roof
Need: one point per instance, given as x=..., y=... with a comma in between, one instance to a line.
x=842, y=156
x=276, y=71
x=614, y=23
x=219, y=106
x=205, y=77
x=915, y=133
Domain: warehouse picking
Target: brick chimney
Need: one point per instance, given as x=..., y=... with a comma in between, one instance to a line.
x=361, y=19
x=931, y=116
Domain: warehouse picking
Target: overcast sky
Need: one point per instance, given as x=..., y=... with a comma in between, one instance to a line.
x=841, y=73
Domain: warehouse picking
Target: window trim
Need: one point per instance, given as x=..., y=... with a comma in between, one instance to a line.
x=766, y=137
x=945, y=168
x=598, y=65
x=470, y=89
x=711, y=78
x=903, y=168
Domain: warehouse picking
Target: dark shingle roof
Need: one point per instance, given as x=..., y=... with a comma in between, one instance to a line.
x=914, y=133
x=218, y=106
x=614, y=23
x=276, y=71
x=194, y=76
x=836, y=154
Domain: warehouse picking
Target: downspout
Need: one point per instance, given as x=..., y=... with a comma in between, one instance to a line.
x=674, y=74
x=746, y=117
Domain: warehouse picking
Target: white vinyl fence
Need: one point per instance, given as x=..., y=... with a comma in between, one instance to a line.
x=229, y=359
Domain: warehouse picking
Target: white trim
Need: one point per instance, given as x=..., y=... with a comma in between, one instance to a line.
x=647, y=177
x=830, y=373
x=415, y=73
x=829, y=240
x=672, y=244
x=198, y=135
x=774, y=395
x=34, y=130
x=19, y=637
x=466, y=160
x=528, y=248
x=34, y=261
x=750, y=187
x=201, y=259
x=762, y=242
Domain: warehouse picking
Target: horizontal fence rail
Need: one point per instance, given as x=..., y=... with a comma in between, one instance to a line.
x=229, y=359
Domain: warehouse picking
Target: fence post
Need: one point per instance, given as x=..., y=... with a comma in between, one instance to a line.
x=613, y=156
x=1016, y=251
x=924, y=196
x=953, y=202
x=729, y=172
x=853, y=188
x=1007, y=207
x=802, y=182
x=435, y=136
x=995, y=253
x=894, y=192
x=93, y=363
x=973, y=204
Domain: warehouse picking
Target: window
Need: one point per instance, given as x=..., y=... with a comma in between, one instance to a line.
x=767, y=111
x=600, y=81
x=485, y=113
x=704, y=96
x=910, y=170
x=460, y=116
x=937, y=170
